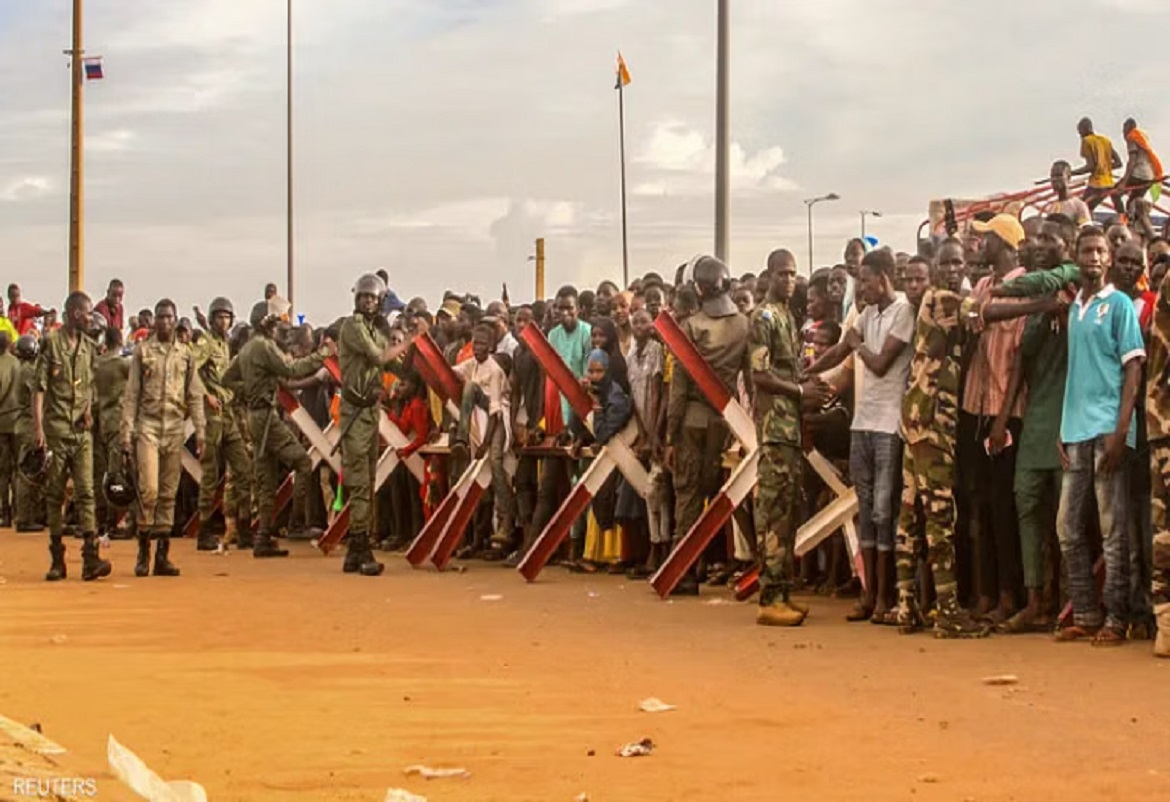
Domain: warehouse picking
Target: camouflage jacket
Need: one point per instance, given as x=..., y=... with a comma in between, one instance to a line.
x=930, y=408
x=359, y=353
x=212, y=357
x=1158, y=368
x=773, y=347
x=162, y=390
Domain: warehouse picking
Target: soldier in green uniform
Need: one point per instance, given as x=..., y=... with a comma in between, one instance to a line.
x=9, y=408
x=110, y=375
x=774, y=351
x=696, y=434
x=256, y=375
x=224, y=443
x=1158, y=426
x=62, y=416
x=30, y=496
x=163, y=389
x=929, y=420
x=363, y=350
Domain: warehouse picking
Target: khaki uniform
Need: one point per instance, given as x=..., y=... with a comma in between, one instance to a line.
x=162, y=390
x=695, y=429
x=930, y=417
x=224, y=443
x=65, y=378
x=774, y=348
x=255, y=374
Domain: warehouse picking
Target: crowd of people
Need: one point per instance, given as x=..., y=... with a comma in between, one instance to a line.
x=999, y=401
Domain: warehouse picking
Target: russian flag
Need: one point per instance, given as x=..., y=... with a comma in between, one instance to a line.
x=93, y=69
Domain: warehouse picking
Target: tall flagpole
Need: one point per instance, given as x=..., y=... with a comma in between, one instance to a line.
x=76, y=154
x=622, y=150
x=289, y=165
x=722, y=193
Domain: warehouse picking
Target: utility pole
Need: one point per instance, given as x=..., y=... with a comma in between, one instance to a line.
x=539, y=269
x=289, y=166
x=76, y=156
x=722, y=79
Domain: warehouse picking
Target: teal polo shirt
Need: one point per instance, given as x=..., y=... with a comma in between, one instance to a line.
x=1103, y=336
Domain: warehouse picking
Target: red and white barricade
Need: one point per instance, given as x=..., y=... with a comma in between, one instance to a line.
x=440, y=535
x=617, y=453
x=742, y=480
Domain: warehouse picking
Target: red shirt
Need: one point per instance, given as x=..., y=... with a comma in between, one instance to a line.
x=112, y=314
x=139, y=335
x=414, y=421
x=23, y=316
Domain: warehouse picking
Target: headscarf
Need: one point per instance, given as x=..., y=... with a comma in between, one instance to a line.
x=618, y=371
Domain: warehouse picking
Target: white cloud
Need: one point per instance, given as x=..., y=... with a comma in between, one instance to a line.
x=26, y=188
x=110, y=141
x=678, y=160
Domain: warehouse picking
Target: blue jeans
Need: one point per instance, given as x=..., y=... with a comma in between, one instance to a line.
x=1112, y=493
x=875, y=465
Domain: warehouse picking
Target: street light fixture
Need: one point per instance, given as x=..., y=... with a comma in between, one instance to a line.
x=810, y=203
x=863, y=214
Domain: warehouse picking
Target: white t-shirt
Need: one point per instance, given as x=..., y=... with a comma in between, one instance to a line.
x=877, y=405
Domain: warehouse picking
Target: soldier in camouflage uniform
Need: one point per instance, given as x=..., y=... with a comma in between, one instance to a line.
x=930, y=414
x=363, y=350
x=774, y=351
x=162, y=390
x=62, y=417
x=1158, y=426
x=30, y=496
x=255, y=374
x=110, y=376
x=224, y=443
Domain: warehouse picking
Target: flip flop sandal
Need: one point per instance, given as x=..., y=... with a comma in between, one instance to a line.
x=1108, y=636
x=1018, y=625
x=859, y=613
x=581, y=567
x=887, y=619
x=1073, y=632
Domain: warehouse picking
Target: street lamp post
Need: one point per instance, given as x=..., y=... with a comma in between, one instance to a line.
x=810, y=203
x=863, y=214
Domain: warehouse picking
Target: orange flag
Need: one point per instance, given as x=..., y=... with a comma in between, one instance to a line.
x=623, y=72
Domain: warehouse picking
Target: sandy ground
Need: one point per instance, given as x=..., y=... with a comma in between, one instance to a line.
x=288, y=680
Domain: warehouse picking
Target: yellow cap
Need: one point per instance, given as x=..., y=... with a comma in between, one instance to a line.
x=1004, y=226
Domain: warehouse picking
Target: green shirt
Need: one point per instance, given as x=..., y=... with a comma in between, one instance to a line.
x=1044, y=360
x=773, y=348
x=25, y=382
x=110, y=380
x=65, y=376
x=212, y=357
x=359, y=353
x=9, y=395
x=1041, y=282
x=260, y=367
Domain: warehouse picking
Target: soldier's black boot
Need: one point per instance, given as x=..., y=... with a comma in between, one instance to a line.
x=142, y=566
x=92, y=565
x=266, y=547
x=353, y=555
x=162, y=565
x=244, y=537
x=368, y=564
x=57, y=554
x=206, y=541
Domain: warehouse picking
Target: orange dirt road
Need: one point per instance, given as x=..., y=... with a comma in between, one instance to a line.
x=286, y=680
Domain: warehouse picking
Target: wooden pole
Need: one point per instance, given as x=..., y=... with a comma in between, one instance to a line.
x=289, y=165
x=76, y=156
x=622, y=151
x=539, y=269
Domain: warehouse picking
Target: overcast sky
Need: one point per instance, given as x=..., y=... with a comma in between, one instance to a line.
x=439, y=138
